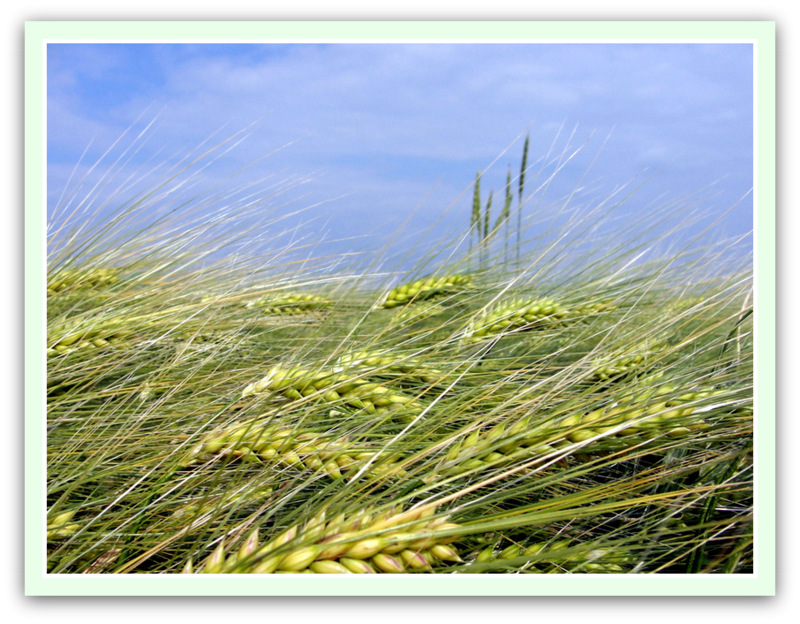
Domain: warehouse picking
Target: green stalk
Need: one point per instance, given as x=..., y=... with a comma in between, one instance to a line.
x=505, y=215
x=522, y=170
x=486, y=232
x=475, y=224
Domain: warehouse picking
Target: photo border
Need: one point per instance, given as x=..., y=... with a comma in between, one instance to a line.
x=760, y=34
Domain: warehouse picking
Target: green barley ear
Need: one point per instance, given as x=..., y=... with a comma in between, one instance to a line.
x=386, y=361
x=362, y=542
x=428, y=288
x=87, y=334
x=634, y=360
x=335, y=386
x=83, y=279
x=505, y=213
x=418, y=312
x=514, y=315
x=486, y=230
x=522, y=170
x=290, y=304
x=216, y=560
x=272, y=446
x=560, y=556
x=61, y=525
x=475, y=223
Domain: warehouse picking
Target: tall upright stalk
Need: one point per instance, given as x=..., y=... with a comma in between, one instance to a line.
x=486, y=231
x=505, y=216
x=523, y=169
x=475, y=222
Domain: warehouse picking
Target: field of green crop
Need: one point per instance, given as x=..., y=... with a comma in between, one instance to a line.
x=572, y=404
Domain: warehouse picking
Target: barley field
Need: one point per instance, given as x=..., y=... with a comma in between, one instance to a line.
x=537, y=395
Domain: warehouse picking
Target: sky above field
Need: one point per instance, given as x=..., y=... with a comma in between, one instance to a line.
x=362, y=137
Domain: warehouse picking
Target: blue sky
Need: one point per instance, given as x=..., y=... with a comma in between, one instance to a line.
x=361, y=136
